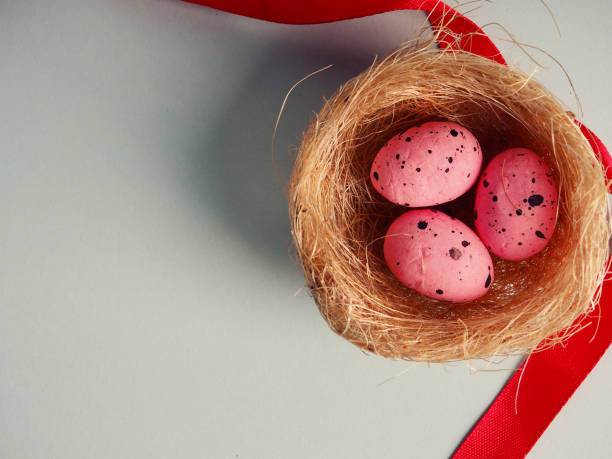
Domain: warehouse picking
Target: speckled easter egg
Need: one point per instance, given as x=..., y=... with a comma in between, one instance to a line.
x=438, y=256
x=516, y=204
x=426, y=165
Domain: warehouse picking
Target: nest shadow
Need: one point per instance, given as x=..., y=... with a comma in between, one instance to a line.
x=237, y=174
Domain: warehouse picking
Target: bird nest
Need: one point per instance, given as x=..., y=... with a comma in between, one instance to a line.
x=339, y=221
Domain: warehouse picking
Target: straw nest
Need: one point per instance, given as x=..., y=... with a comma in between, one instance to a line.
x=339, y=221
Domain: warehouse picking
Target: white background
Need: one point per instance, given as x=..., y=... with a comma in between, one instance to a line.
x=147, y=304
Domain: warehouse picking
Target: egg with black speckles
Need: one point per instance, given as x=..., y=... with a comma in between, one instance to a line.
x=438, y=256
x=429, y=164
x=516, y=204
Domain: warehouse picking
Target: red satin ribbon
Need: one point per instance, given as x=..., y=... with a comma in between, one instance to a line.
x=536, y=393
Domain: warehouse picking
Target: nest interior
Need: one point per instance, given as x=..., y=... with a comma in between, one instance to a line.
x=339, y=221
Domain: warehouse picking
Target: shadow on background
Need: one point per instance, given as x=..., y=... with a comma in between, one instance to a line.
x=234, y=170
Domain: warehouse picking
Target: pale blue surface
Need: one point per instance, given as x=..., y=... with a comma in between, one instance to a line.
x=147, y=304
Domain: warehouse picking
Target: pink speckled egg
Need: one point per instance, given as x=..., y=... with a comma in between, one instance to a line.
x=426, y=165
x=438, y=256
x=516, y=204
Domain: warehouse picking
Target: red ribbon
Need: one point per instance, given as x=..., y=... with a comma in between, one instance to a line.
x=536, y=393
